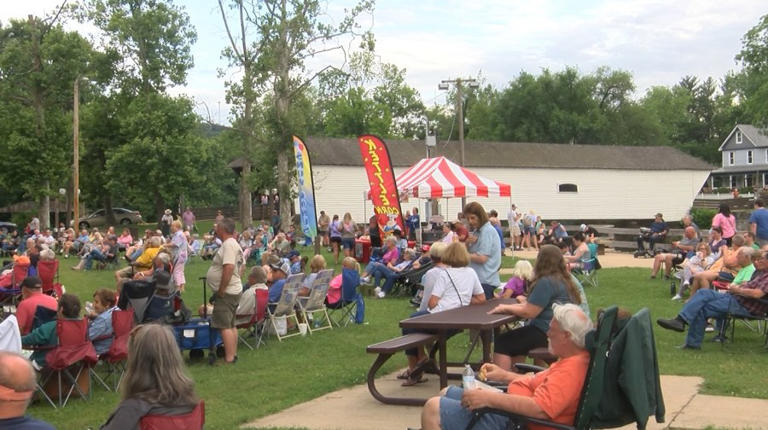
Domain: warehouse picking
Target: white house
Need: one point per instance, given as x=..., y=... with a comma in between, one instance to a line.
x=566, y=182
x=745, y=159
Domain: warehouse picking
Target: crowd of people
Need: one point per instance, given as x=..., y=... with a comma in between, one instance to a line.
x=463, y=270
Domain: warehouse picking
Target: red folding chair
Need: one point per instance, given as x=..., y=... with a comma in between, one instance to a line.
x=73, y=355
x=114, y=358
x=48, y=271
x=255, y=323
x=192, y=421
x=11, y=294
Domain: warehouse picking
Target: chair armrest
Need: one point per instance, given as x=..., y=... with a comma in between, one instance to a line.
x=524, y=367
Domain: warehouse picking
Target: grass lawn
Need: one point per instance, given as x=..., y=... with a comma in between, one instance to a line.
x=279, y=375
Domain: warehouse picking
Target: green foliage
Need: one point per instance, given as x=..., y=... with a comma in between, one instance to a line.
x=703, y=217
x=753, y=80
x=38, y=65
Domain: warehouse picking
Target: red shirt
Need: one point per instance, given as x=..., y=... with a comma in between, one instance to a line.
x=25, y=313
x=461, y=231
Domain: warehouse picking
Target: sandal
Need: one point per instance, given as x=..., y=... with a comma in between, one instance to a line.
x=411, y=381
x=405, y=374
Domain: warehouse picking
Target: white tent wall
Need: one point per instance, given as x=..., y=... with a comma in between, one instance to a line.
x=602, y=193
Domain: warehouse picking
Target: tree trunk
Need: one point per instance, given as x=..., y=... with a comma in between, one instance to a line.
x=44, y=210
x=158, y=206
x=108, y=209
x=246, y=207
x=284, y=179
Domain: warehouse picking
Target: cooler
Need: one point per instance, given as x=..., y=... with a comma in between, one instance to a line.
x=362, y=250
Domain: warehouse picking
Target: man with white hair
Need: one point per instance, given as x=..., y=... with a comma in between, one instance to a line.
x=552, y=394
x=17, y=385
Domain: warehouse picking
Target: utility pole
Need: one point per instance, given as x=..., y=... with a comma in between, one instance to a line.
x=458, y=83
x=76, y=150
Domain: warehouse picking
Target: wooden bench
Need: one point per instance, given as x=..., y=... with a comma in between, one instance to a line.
x=385, y=350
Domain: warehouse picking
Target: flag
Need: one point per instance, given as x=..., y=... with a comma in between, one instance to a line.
x=306, y=189
x=381, y=178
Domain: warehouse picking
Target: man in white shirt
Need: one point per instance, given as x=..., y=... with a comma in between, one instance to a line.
x=224, y=279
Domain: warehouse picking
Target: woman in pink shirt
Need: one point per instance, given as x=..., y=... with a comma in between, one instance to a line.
x=390, y=257
x=125, y=239
x=726, y=221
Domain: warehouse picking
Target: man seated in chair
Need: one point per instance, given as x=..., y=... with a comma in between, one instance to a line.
x=552, y=394
x=741, y=301
x=656, y=232
x=680, y=249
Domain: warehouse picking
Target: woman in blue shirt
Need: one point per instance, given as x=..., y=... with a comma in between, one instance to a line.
x=484, y=248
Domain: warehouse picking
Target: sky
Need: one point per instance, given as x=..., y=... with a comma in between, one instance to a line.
x=657, y=41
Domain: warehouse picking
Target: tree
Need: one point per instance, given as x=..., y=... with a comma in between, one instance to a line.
x=753, y=81
x=152, y=38
x=38, y=64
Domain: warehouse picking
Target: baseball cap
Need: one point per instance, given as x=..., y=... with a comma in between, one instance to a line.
x=281, y=266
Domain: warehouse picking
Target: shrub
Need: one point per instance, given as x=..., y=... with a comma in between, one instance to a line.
x=22, y=218
x=703, y=217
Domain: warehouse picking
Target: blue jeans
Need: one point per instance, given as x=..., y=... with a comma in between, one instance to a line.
x=489, y=289
x=93, y=255
x=708, y=304
x=453, y=416
x=379, y=271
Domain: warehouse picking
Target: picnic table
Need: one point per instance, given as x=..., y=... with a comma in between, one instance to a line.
x=473, y=317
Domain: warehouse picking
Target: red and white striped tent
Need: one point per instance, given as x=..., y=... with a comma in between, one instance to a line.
x=439, y=177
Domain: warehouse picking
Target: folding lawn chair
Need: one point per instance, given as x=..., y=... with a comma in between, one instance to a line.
x=48, y=271
x=73, y=355
x=191, y=421
x=347, y=306
x=315, y=302
x=285, y=309
x=114, y=359
x=253, y=322
x=622, y=382
x=587, y=273
x=12, y=294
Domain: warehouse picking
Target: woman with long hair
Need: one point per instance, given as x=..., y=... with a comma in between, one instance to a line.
x=348, y=230
x=552, y=283
x=484, y=248
x=726, y=221
x=155, y=381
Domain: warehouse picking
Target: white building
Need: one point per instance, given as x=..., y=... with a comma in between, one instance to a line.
x=565, y=182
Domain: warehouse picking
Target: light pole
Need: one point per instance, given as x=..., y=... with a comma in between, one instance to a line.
x=458, y=83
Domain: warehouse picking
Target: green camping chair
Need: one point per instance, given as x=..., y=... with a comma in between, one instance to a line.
x=622, y=384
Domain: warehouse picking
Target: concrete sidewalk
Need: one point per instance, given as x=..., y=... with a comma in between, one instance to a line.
x=355, y=409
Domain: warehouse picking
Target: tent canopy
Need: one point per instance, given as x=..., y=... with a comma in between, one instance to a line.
x=439, y=177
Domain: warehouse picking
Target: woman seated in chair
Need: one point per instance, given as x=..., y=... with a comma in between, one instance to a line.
x=551, y=284
x=315, y=265
x=455, y=285
x=390, y=273
x=155, y=382
x=44, y=337
x=580, y=254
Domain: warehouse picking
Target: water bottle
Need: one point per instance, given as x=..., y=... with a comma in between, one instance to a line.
x=468, y=378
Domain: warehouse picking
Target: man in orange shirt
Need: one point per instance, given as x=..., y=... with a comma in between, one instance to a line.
x=552, y=394
x=31, y=297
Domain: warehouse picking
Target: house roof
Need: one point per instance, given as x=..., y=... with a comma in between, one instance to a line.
x=742, y=169
x=404, y=153
x=757, y=136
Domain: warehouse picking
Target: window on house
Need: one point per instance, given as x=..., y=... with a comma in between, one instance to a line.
x=730, y=158
x=717, y=181
x=749, y=180
x=739, y=138
x=749, y=157
x=567, y=188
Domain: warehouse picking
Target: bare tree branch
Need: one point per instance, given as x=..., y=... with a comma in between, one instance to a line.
x=229, y=33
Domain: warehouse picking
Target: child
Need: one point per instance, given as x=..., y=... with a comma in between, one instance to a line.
x=45, y=334
x=100, y=328
x=522, y=274
x=696, y=264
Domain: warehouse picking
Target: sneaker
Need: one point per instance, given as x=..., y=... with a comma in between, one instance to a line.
x=709, y=329
x=377, y=290
x=381, y=294
x=366, y=280
x=677, y=297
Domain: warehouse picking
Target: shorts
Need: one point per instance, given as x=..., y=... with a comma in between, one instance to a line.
x=529, y=229
x=519, y=341
x=454, y=416
x=515, y=229
x=224, y=311
x=348, y=243
x=126, y=272
x=335, y=239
